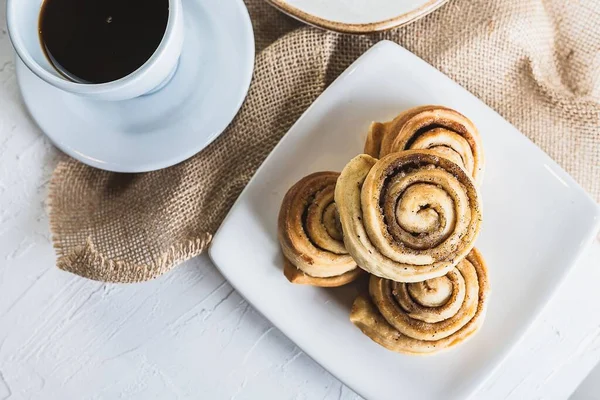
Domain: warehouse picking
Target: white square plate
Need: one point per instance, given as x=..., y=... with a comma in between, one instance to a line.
x=536, y=223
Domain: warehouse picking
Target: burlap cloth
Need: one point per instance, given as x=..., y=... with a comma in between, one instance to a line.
x=537, y=62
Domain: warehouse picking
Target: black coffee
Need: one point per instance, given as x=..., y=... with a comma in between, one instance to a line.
x=97, y=41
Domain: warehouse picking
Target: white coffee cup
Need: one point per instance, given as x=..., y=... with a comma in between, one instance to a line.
x=23, y=27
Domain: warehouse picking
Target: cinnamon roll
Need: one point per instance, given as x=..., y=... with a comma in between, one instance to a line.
x=408, y=217
x=425, y=317
x=440, y=129
x=311, y=236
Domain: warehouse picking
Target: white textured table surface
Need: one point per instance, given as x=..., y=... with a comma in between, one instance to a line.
x=189, y=334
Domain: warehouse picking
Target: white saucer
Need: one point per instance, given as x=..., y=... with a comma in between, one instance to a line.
x=167, y=127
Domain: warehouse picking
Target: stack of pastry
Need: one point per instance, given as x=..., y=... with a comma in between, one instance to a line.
x=407, y=212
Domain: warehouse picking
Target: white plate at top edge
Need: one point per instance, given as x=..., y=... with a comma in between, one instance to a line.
x=357, y=16
x=162, y=129
x=530, y=241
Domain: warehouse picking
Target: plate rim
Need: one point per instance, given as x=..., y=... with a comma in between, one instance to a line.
x=545, y=299
x=357, y=28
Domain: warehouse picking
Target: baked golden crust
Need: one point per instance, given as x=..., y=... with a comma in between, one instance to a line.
x=310, y=234
x=297, y=276
x=408, y=217
x=440, y=129
x=425, y=317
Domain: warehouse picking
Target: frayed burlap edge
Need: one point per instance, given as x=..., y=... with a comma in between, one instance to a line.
x=88, y=262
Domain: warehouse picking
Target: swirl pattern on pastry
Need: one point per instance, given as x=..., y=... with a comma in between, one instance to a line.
x=408, y=217
x=310, y=234
x=440, y=129
x=425, y=317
